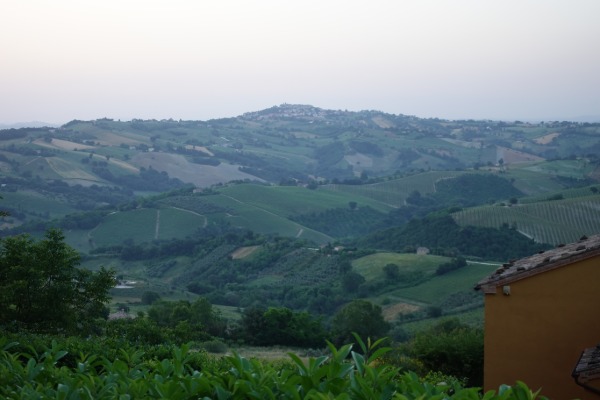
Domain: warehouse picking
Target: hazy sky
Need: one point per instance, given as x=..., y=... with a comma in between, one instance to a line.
x=201, y=59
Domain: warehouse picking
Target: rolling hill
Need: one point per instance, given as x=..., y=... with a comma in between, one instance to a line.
x=254, y=207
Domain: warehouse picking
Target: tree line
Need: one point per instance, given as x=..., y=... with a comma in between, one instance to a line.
x=443, y=236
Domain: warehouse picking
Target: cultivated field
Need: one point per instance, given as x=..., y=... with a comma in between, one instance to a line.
x=263, y=221
x=63, y=145
x=177, y=166
x=442, y=286
x=394, y=192
x=24, y=200
x=243, y=252
x=287, y=201
x=554, y=222
x=69, y=170
x=146, y=225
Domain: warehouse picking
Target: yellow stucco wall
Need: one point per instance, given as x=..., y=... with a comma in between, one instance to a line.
x=536, y=334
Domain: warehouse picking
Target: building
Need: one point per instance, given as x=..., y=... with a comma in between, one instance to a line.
x=541, y=313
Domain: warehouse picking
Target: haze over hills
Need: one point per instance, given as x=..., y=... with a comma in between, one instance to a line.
x=303, y=142
x=30, y=124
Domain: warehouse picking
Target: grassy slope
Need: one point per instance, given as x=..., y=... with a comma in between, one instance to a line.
x=261, y=220
x=371, y=266
x=431, y=292
x=141, y=225
x=291, y=200
x=120, y=226
x=539, y=178
x=176, y=223
x=395, y=192
x=461, y=280
x=29, y=200
x=265, y=209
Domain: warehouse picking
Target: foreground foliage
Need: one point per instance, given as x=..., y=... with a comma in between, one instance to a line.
x=344, y=374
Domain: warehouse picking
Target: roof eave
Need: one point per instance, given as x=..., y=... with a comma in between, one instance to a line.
x=490, y=286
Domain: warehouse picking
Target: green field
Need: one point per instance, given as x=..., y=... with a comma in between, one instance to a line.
x=540, y=178
x=29, y=200
x=79, y=239
x=554, y=222
x=442, y=286
x=139, y=225
x=266, y=210
x=474, y=318
x=435, y=287
x=578, y=169
x=286, y=201
x=176, y=223
x=394, y=192
x=453, y=292
x=70, y=170
x=371, y=266
x=146, y=225
x=584, y=191
x=533, y=183
x=39, y=167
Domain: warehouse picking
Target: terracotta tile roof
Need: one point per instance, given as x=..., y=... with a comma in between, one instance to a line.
x=541, y=262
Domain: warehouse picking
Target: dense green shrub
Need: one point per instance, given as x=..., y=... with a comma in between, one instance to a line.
x=214, y=346
x=280, y=326
x=454, y=264
x=451, y=348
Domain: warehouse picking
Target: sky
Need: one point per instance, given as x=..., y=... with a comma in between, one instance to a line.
x=202, y=59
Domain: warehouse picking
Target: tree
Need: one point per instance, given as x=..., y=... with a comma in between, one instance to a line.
x=362, y=317
x=41, y=288
x=281, y=326
x=252, y=325
x=199, y=316
x=392, y=272
x=149, y=297
x=4, y=213
x=414, y=197
x=351, y=281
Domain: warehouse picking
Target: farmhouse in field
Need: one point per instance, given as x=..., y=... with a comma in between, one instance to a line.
x=541, y=313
